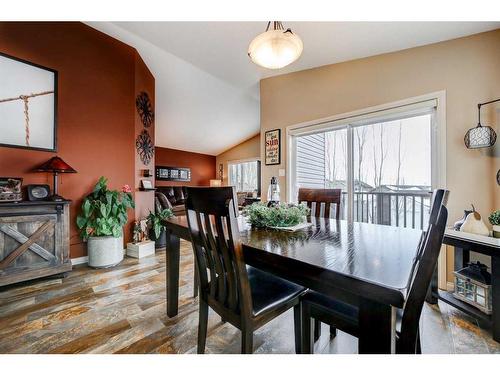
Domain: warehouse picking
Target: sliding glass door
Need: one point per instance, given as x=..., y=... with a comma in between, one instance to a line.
x=382, y=162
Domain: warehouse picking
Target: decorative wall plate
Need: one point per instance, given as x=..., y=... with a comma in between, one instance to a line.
x=145, y=147
x=145, y=109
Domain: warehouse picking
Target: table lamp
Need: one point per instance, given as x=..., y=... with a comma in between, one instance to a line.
x=215, y=183
x=55, y=165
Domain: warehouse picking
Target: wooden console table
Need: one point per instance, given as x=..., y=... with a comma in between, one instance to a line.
x=463, y=247
x=34, y=240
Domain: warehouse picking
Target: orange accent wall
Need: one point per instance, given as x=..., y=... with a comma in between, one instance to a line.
x=96, y=127
x=202, y=166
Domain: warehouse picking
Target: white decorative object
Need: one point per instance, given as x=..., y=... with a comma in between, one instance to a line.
x=140, y=249
x=294, y=228
x=105, y=251
x=275, y=48
x=474, y=224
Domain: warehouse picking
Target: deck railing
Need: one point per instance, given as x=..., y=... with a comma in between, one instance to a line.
x=402, y=209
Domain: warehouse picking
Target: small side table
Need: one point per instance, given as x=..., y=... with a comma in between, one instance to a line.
x=464, y=244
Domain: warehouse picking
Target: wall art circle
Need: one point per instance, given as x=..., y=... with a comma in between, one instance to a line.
x=145, y=109
x=145, y=147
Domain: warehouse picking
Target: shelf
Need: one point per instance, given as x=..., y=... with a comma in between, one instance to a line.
x=143, y=189
x=465, y=307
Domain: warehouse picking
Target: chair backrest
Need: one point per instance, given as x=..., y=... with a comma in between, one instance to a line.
x=211, y=215
x=423, y=270
x=318, y=196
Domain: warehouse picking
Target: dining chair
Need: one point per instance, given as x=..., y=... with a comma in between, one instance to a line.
x=345, y=316
x=244, y=296
x=328, y=197
x=318, y=196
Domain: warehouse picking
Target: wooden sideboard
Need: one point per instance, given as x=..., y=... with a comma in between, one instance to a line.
x=34, y=240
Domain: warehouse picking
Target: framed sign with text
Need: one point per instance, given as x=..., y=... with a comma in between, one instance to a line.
x=273, y=147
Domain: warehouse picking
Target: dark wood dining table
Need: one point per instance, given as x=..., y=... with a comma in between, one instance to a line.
x=366, y=265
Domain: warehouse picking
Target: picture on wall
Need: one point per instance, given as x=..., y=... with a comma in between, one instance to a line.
x=173, y=174
x=273, y=147
x=28, y=104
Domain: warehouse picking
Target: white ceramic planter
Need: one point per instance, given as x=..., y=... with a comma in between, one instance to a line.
x=496, y=231
x=106, y=251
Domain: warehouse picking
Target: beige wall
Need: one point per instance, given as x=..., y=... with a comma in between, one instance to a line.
x=245, y=150
x=468, y=69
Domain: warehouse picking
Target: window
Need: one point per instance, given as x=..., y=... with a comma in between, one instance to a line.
x=382, y=161
x=245, y=176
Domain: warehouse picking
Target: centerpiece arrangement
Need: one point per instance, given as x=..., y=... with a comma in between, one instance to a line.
x=104, y=213
x=280, y=216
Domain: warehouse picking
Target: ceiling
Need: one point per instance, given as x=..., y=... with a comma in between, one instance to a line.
x=207, y=89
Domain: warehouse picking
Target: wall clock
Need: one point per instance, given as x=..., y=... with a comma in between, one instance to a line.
x=145, y=147
x=145, y=109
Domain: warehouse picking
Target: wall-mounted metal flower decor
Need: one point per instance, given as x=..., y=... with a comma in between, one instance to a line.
x=145, y=147
x=145, y=109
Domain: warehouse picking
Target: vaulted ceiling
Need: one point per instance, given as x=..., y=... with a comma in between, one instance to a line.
x=207, y=89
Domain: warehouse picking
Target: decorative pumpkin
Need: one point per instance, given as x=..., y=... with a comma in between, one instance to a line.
x=474, y=224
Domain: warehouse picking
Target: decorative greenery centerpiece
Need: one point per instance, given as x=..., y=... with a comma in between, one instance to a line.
x=494, y=219
x=155, y=221
x=282, y=215
x=104, y=212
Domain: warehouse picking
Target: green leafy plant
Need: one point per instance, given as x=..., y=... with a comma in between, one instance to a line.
x=494, y=217
x=282, y=215
x=104, y=212
x=155, y=220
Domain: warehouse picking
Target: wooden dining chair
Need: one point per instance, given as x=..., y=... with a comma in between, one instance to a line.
x=242, y=295
x=345, y=316
x=328, y=197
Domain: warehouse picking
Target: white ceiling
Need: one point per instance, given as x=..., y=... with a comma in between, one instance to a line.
x=207, y=89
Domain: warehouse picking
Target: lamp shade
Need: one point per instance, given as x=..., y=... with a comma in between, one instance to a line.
x=55, y=164
x=480, y=136
x=215, y=183
x=275, y=49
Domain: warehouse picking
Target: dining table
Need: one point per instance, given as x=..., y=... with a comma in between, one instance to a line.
x=366, y=265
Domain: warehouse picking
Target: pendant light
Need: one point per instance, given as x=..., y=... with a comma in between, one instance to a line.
x=275, y=48
x=480, y=136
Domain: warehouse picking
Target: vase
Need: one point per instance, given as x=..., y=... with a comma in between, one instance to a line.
x=496, y=231
x=105, y=251
x=459, y=223
x=161, y=241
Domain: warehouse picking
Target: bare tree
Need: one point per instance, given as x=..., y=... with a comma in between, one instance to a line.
x=361, y=137
x=383, y=154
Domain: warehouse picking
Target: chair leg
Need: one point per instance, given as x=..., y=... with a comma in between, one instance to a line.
x=317, y=329
x=246, y=341
x=307, y=344
x=333, y=332
x=297, y=327
x=419, y=345
x=202, y=326
x=195, y=282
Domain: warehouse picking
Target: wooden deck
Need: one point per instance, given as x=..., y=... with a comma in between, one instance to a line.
x=122, y=310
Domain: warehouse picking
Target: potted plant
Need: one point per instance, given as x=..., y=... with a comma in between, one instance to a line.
x=494, y=219
x=281, y=215
x=156, y=228
x=104, y=213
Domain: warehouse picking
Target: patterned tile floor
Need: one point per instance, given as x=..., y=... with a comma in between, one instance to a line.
x=122, y=310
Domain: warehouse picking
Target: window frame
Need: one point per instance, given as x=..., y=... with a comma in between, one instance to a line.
x=438, y=147
x=247, y=160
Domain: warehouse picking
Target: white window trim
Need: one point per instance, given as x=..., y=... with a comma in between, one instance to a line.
x=438, y=146
x=238, y=161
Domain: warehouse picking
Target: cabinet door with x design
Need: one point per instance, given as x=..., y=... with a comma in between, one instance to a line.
x=33, y=241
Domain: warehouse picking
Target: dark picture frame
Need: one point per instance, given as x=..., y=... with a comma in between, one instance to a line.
x=173, y=174
x=55, y=90
x=272, y=139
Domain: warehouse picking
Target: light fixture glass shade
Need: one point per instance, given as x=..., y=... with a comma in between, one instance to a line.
x=480, y=136
x=275, y=49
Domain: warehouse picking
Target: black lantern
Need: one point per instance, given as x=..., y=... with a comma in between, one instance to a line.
x=480, y=136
